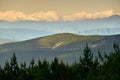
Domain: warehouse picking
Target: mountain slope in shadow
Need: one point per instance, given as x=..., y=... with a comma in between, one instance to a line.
x=65, y=46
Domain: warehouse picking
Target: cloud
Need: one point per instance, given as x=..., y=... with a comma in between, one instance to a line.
x=53, y=16
x=12, y=15
x=17, y=15
x=47, y=16
x=85, y=15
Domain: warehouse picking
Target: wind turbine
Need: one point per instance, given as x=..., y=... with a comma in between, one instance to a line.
x=108, y=31
x=98, y=31
x=61, y=29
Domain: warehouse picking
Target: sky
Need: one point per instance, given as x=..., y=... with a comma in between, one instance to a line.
x=52, y=16
x=53, y=10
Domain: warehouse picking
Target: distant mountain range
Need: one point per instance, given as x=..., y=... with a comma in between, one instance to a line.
x=65, y=46
x=24, y=30
x=3, y=41
x=21, y=34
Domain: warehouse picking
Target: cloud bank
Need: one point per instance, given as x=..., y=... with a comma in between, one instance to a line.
x=17, y=15
x=85, y=15
x=53, y=15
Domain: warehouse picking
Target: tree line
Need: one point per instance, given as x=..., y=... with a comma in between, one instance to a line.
x=105, y=67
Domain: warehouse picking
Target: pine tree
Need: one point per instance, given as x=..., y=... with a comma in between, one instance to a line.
x=2, y=75
x=14, y=66
x=22, y=72
x=86, y=61
x=54, y=69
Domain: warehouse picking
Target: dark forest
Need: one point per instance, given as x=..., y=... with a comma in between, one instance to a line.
x=101, y=67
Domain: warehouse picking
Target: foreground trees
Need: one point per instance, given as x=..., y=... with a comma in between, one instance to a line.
x=88, y=68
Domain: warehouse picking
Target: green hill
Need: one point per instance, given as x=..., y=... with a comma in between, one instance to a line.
x=65, y=46
x=64, y=39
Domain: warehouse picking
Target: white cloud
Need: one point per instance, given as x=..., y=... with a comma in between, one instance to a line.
x=12, y=15
x=53, y=16
x=83, y=15
x=47, y=16
x=16, y=15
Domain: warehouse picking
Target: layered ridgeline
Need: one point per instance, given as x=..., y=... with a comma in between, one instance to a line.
x=3, y=40
x=65, y=46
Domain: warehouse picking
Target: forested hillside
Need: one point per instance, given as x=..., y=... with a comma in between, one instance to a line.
x=105, y=67
x=65, y=46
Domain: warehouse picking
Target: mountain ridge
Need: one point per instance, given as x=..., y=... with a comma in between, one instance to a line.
x=65, y=46
x=30, y=29
x=57, y=40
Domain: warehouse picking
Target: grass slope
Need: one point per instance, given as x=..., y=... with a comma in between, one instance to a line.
x=65, y=38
